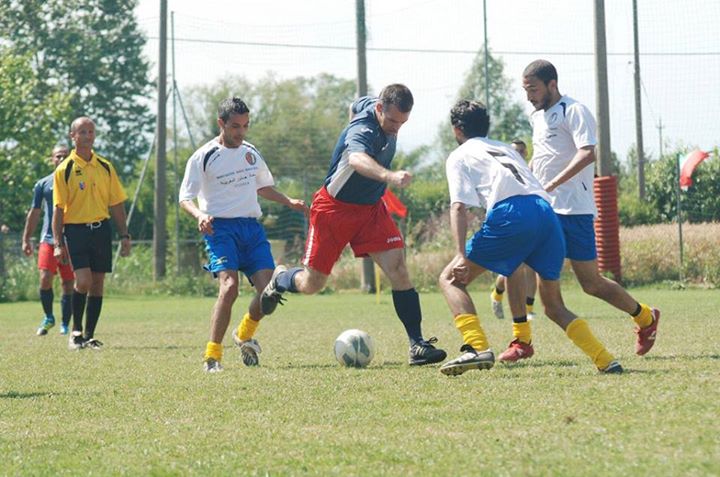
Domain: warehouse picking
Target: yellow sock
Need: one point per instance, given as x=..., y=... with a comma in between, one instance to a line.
x=529, y=308
x=214, y=350
x=644, y=318
x=472, y=333
x=521, y=332
x=579, y=332
x=496, y=296
x=246, y=328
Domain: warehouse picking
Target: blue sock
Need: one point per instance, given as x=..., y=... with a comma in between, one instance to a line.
x=407, y=307
x=46, y=298
x=66, y=307
x=285, y=281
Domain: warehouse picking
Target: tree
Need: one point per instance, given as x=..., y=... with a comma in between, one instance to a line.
x=27, y=112
x=507, y=118
x=92, y=51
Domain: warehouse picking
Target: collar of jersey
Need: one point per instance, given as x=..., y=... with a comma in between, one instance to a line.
x=80, y=162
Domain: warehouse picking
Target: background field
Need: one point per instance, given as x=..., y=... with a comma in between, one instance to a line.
x=142, y=406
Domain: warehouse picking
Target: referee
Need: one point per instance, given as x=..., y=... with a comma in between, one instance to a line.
x=86, y=193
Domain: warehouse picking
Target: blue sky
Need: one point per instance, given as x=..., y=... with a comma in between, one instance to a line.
x=679, y=44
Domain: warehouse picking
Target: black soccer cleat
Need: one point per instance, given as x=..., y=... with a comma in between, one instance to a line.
x=425, y=353
x=272, y=295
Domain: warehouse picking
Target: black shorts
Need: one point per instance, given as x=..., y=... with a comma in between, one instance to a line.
x=90, y=246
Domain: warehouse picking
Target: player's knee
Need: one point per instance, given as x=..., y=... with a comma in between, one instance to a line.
x=229, y=290
x=594, y=287
x=46, y=281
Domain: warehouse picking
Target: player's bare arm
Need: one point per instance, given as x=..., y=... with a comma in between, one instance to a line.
x=117, y=212
x=204, y=220
x=57, y=231
x=31, y=222
x=458, y=226
x=271, y=193
x=369, y=167
x=583, y=158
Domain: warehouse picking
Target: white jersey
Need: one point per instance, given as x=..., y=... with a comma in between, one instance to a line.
x=482, y=172
x=558, y=133
x=225, y=180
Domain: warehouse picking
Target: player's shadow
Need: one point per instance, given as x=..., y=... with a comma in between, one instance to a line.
x=148, y=348
x=308, y=366
x=21, y=395
x=681, y=357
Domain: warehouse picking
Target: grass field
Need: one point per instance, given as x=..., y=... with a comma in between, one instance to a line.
x=142, y=406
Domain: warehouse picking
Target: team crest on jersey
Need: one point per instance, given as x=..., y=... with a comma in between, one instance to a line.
x=250, y=158
x=81, y=185
x=553, y=118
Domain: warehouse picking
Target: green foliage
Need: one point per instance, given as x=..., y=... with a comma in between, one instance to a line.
x=90, y=50
x=634, y=211
x=700, y=203
x=507, y=118
x=29, y=110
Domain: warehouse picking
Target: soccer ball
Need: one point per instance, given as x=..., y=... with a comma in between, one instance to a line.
x=354, y=348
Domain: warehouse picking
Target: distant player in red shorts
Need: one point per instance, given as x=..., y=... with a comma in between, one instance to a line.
x=348, y=209
x=47, y=264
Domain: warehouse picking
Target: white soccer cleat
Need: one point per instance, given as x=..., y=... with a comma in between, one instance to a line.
x=497, y=308
x=249, y=350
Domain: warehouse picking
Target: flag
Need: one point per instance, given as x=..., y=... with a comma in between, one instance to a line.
x=393, y=204
x=688, y=165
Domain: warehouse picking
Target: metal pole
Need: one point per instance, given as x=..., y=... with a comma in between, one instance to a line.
x=487, y=68
x=660, y=128
x=638, y=107
x=159, y=229
x=175, y=149
x=679, y=214
x=361, y=47
x=601, y=92
x=185, y=118
x=367, y=278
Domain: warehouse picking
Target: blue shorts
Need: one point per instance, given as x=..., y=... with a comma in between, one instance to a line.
x=522, y=228
x=238, y=244
x=579, y=233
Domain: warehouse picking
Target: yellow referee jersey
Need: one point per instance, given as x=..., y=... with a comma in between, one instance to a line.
x=86, y=189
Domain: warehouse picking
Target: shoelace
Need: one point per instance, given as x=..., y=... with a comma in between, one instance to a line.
x=279, y=298
x=422, y=347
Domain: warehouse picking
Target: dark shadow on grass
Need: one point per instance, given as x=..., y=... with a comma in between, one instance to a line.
x=19, y=395
x=539, y=363
x=153, y=348
x=649, y=372
x=306, y=366
x=373, y=366
x=688, y=357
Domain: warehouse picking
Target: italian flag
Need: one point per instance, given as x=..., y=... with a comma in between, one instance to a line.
x=688, y=165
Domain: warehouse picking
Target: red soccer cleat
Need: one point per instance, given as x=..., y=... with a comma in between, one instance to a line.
x=516, y=351
x=646, y=336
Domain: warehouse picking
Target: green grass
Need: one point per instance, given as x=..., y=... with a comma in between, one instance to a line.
x=142, y=406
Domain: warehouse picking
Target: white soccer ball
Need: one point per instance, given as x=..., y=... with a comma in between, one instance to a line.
x=354, y=348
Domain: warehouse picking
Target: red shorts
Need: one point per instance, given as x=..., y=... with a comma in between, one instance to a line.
x=47, y=261
x=334, y=224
